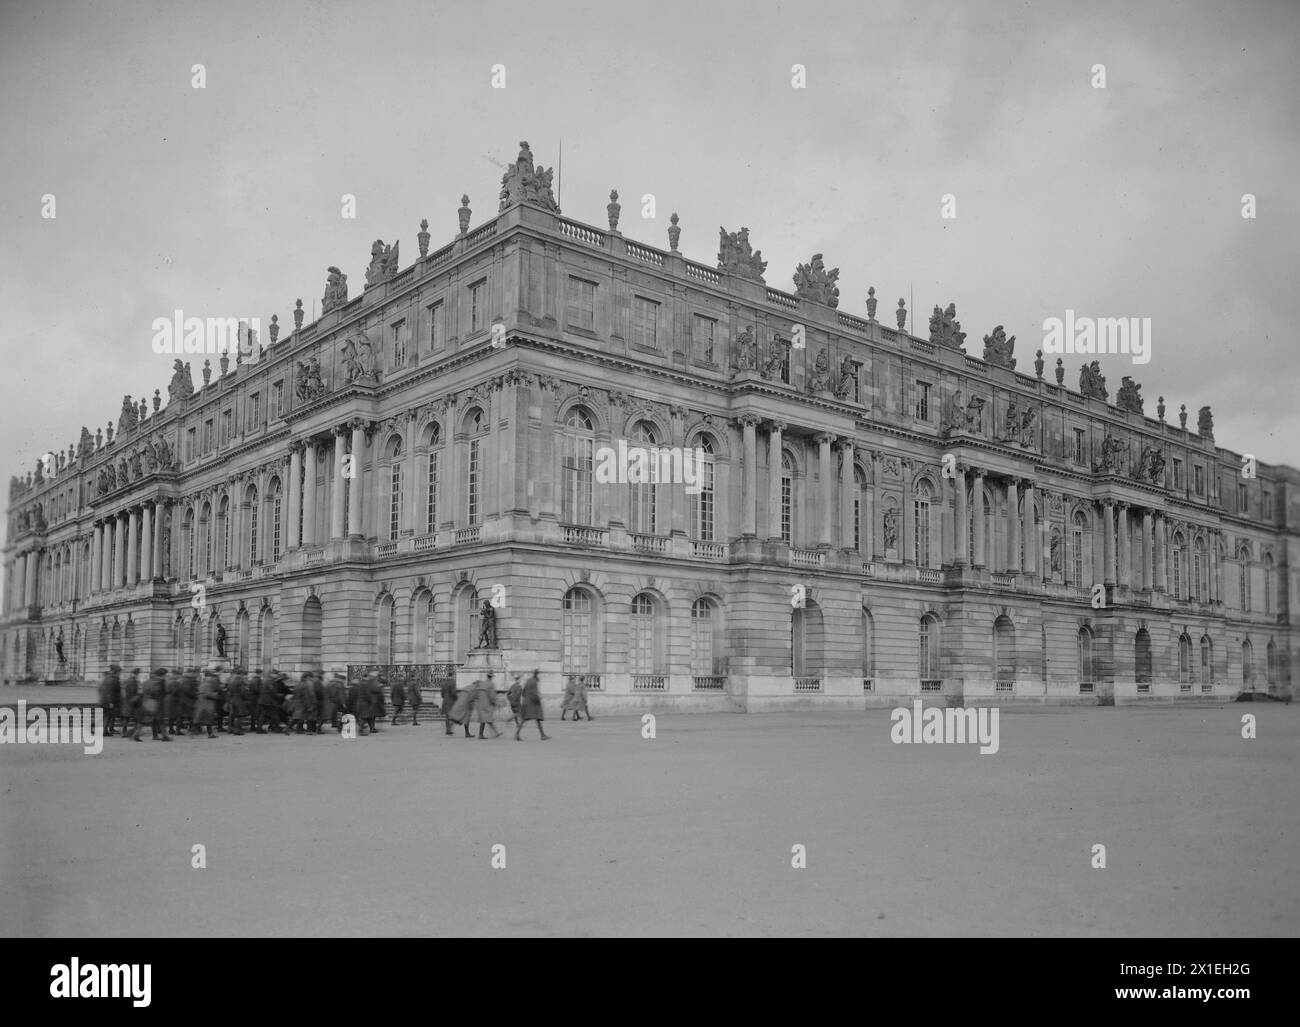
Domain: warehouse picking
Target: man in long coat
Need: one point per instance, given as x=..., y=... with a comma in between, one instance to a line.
x=237, y=698
x=415, y=696
x=110, y=698
x=153, y=707
x=485, y=705
x=335, y=698
x=449, y=696
x=205, y=710
x=399, y=699
x=268, y=705
x=131, y=700
x=190, y=696
x=174, y=711
x=531, y=708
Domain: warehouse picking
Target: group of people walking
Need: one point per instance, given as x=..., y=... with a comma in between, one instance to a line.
x=478, y=704
x=186, y=700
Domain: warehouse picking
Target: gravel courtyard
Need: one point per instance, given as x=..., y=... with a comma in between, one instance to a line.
x=690, y=833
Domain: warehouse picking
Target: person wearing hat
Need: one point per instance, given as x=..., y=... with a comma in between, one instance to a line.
x=205, y=710
x=237, y=691
x=131, y=701
x=190, y=696
x=415, y=696
x=335, y=698
x=268, y=705
x=462, y=710
x=373, y=699
x=153, y=707
x=514, y=696
x=450, y=695
x=110, y=697
x=531, y=708
x=399, y=699
x=485, y=705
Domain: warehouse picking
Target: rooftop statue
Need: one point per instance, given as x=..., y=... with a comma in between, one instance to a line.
x=383, y=262
x=945, y=329
x=1205, y=423
x=998, y=349
x=1129, y=396
x=813, y=282
x=336, y=291
x=526, y=183
x=1092, y=383
x=182, y=384
x=130, y=416
x=737, y=257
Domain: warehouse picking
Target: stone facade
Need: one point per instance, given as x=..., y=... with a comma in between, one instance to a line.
x=918, y=521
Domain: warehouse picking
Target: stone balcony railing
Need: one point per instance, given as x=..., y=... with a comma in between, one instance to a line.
x=808, y=684
x=709, y=550
x=469, y=536
x=649, y=543
x=578, y=535
x=709, y=682
x=649, y=682
x=807, y=557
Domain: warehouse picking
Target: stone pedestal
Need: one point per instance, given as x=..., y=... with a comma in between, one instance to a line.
x=478, y=664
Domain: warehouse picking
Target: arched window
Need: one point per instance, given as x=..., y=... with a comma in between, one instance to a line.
x=868, y=651
x=103, y=644
x=422, y=628
x=1200, y=571
x=807, y=645
x=275, y=500
x=1247, y=666
x=921, y=522
x=1184, y=661
x=1142, y=659
x=431, y=480
x=1243, y=578
x=859, y=508
x=311, y=629
x=223, y=516
x=467, y=620
x=580, y=635
x=386, y=630
x=1004, y=654
x=578, y=457
x=1271, y=602
x=266, y=638
x=643, y=477
x=1207, y=663
x=1176, y=559
x=1270, y=663
x=475, y=467
x=705, y=662
x=187, y=541
x=930, y=653
x=787, y=499
x=395, y=489
x=252, y=526
x=205, y=532
x=703, y=504
x=646, y=652
x=1087, y=668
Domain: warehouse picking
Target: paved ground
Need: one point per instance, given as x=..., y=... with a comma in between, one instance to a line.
x=687, y=834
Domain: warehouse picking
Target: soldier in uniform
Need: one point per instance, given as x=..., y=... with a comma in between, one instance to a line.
x=416, y=698
x=174, y=700
x=110, y=697
x=449, y=702
x=205, y=710
x=373, y=698
x=353, y=701
x=531, y=708
x=514, y=697
x=254, y=689
x=335, y=698
x=131, y=701
x=399, y=699
x=268, y=705
x=153, y=707
x=237, y=691
x=485, y=705
x=190, y=696
x=462, y=710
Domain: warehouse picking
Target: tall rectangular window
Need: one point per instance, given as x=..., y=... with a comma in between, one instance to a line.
x=703, y=332
x=207, y=436
x=1079, y=448
x=477, y=297
x=398, y=333
x=394, y=502
x=704, y=525
x=254, y=412
x=787, y=510
x=189, y=443
x=645, y=323
x=582, y=305
x=1178, y=474
x=1200, y=480
x=277, y=400
x=474, y=486
x=437, y=326
x=922, y=519
x=227, y=421
x=1241, y=498
x=922, y=401
x=1266, y=499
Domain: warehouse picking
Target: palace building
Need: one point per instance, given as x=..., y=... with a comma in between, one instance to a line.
x=874, y=515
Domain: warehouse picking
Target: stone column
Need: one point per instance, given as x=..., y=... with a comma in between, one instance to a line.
x=1125, y=575
x=1214, y=567
x=235, y=511
x=1108, y=542
x=1161, y=544
x=96, y=555
x=161, y=510
x=23, y=563
x=1033, y=556
x=146, y=543
x=292, y=538
x=774, y=451
x=1013, y=523
x=29, y=581
x=309, y=495
x=338, y=485
x=1148, y=549
x=106, y=559
x=131, y=574
x=848, y=482
x=961, y=531
x=749, y=487
x=978, y=515
x=355, y=483
x=824, y=441
x=119, y=559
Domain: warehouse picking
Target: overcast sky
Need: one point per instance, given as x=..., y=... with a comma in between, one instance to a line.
x=225, y=201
